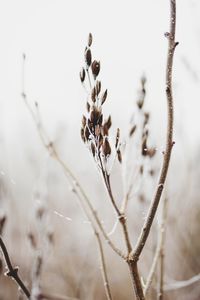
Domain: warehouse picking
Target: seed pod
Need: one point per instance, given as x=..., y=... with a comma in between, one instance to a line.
x=93, y=149
x=98, y=87
x=141, y=169
x=144, y=146
x=103, y=97
x=146, y=118
x=140, y=103
x=32, y=240
x=107, y=125
x=93, y=94
x=88, y=57
x=89, y=40
x=82, y=75
x=117, y=138
x=151, y=152
x=95, y=68
x=106, y=148
x=84, y=121
x=83, y=135
x=87, y=133
x=88, y=107
x=132, y=130
x=119, y=156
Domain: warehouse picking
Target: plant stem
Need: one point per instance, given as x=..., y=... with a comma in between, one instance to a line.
x=13, y=272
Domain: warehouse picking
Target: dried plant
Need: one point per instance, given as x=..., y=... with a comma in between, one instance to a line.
x=95, y=133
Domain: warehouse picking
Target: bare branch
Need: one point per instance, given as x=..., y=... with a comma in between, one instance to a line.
x=104, y=269
x=169, y=139
x=13, y=272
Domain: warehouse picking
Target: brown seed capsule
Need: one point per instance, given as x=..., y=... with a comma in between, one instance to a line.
x=84, y=121
x=141, y=169
x=82, y=75
x=106, y=148
x=140, y=103
x=88, y=57
x=32, y=240
x=107, y=125
x=86, y=133
x=144, y=147
x=132, y=130
x=103, y=97
x=89, y=40
x=93, y=94
x=95, y=68
x=151, y=152
x=93, y=149
x=117, y=138
x=88, y=107
x=83, y=135
x=119, y=156
x=98, y=87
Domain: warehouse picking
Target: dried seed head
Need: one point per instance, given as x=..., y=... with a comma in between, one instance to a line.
x=152, y=172
x=132, y=131
x=93, y=149
x=89, y=40
x=88, y=57
x=95, y=68
x=151, y=152
x=119, y=156
x=144, y=146
x=107, y=126
x=93, y=94
x=83, y=135
x=32, y=240
x=50, y=237
x=84, y=120
x=88, y=107
x=98, y=87
x=82, y=75
x=87, y=133
x=103, y=97
x=117, y=138
x=146, y=118
x=106, y=148
x=140, y=103
x=141, y=169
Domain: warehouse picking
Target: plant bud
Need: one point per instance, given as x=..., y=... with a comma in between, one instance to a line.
x=95, y=68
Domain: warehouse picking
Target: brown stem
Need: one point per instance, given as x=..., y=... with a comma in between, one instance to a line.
x=136, y=280
x=169, y=139
x=104, y=269
x=13, y=272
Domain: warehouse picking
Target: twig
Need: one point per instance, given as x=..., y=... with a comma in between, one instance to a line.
x=167, y=154
x=13, y=272
x=103, y=267
x=158, y=254
x=181, y=284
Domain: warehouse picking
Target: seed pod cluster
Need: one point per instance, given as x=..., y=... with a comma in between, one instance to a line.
x=95, y=128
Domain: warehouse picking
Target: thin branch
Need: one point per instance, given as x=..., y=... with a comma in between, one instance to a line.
x=169, y=138
x=166, y=158
x=104, y=269
x=13, y=272
x=181, y=284
x=158, y=253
